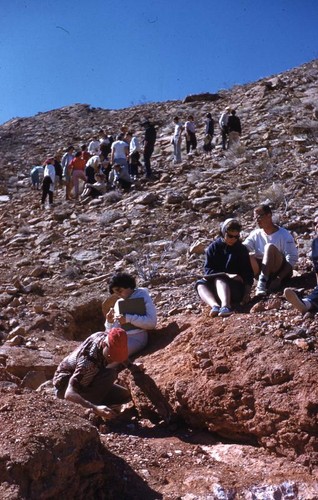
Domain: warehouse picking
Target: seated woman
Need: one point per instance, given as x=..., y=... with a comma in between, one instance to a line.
x=228, y=273
x=135, y=322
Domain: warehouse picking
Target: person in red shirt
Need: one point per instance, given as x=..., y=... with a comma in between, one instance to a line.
x=77, y=167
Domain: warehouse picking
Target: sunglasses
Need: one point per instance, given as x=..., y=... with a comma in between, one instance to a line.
x=232, y=236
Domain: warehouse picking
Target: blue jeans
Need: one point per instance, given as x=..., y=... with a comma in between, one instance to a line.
x=313, y=298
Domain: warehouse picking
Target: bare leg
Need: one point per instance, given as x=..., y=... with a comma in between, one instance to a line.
x=224, y=293
x=272, y=260
x=207, y=296
x=255, y=265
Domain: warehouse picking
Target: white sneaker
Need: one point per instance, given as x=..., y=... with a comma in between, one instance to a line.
x=261, y=290
x=295, y=301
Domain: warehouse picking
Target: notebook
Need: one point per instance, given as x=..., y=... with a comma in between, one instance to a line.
x=132, y=306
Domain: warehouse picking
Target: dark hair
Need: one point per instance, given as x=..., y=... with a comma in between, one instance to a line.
x=69, y=148
x=234, y=226
x=83, y=147
x=266, y=208
x=122, y=280
x=209, y=115
x=78, y=153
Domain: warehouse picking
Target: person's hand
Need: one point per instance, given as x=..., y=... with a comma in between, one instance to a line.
x=104, y=412
x=121, y=319
x=110, y=316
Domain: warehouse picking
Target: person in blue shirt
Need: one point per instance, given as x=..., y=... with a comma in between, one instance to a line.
x=228, y=272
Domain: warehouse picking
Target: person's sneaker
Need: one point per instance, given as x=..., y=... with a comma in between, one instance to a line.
x=295, y=301
x=214, y=311
x=261, y=290
x=225, y=311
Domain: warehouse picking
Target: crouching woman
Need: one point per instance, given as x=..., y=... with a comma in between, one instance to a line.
x=228, y=274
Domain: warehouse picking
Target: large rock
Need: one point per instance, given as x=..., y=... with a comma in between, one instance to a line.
x=48, y=450
x=246, y=385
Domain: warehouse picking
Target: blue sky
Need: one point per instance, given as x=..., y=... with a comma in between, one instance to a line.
x=113, y=54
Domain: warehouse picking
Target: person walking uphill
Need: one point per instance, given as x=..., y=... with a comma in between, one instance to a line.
x=48, y=182
x=223, y=123
x=228, y=273
x=149, y=145
x=191, y=139
x=176, y=140
x=77, y=169
x=234, y=128
x=86, y=377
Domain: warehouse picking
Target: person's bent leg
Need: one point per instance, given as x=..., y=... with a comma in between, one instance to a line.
x=272, y=262
x=224, y=293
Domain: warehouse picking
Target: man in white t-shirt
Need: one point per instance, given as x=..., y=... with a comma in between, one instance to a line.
x=119, y=151
x=273, y=252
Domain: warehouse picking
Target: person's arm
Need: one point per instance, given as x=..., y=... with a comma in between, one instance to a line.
x=71, y=394
x=147, y=321
x=291, y=252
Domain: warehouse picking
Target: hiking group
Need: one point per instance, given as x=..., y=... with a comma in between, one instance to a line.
x=106, y=163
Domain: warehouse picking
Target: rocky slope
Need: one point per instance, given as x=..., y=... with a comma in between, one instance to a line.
x=241, y=392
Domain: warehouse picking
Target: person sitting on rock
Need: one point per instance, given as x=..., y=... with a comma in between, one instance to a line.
x=142, y=315
x=228, y=273
x=273, y=252
x=86, y=377
x=309, y=303
x=96, y=189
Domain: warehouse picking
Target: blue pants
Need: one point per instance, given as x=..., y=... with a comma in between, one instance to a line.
x=313, y=298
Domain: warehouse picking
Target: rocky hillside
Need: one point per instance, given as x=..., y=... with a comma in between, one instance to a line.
x=241, y=392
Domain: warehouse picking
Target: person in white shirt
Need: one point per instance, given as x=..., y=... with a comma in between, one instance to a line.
x=273, y=252
x=119, y=151
x=191, y=140
x=48, y=181
x=134, y=154
x=94, y=147
x=123, y=285
x=176, y=140
x=223, y=122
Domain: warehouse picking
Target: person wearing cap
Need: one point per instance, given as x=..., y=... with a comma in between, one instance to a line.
x=223, y=123
x=273, y=252
x=228, y=273
x=48, y=181
x=310, y=302
x=86, y=376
